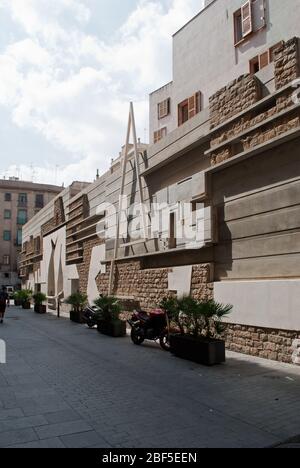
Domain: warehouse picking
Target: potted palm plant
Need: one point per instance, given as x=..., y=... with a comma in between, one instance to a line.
x=78, y=301
x=200, y=328
x=25, y=296
x=17, y=298
x=39, y=299
x=108, y=317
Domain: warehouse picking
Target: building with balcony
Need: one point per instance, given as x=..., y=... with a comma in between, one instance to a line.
x=223, y=164
x=19, y=202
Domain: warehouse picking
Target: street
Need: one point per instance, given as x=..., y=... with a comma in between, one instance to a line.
x=67, y=386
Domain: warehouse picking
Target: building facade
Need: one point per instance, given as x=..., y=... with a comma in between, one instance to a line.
x=225, y=138
x=20, y=201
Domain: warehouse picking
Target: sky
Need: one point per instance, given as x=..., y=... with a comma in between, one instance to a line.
x=68, y=70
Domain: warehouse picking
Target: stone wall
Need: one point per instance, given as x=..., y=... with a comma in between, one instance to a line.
x=234, y=98
x=57, y=220
x=287, y=66
x=244, y=92
x=261, y=342
x=83, y=268
x=150, y=286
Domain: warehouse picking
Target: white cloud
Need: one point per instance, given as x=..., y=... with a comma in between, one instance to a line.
x=74, y=89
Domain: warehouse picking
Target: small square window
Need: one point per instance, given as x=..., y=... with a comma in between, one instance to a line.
x=7, y=214
x=39, y=201
x=7, y=197
x=6, y=260
x=7, y=236
x=22, y=199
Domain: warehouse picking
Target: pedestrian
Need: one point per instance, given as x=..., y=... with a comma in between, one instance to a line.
x=4, y=302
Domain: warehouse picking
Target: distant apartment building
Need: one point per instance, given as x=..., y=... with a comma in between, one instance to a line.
x=225, y=137
x=19, y=202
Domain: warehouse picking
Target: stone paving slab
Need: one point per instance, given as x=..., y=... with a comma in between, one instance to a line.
x=67, y=386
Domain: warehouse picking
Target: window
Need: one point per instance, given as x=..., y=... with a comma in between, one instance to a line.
x=39, y=201
x=160, y=134
x=238, y=32
x=7, y=214
x=189, y=108
x=164, y=108
x=254, y=65
x=19, y=237
x=6, y=260
x=22, y=199
x=172, y=233
x=7, y=197
x=22, y=217
x=263, y=60
x=250, y=18
x=183, y=112
x=7, y=236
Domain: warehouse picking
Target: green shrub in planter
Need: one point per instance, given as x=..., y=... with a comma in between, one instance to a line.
x=39, y=299
x=25, y=296
x=200, y=325
x=17, y=299
x=78, y=301
x=108, y=317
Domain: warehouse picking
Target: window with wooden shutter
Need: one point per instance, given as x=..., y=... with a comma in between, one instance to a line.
x=183, y=112
x=246, y=11
x=264, y=60
x=192, y=106
x=164, y=108
x=159, y=134
x=189, y=108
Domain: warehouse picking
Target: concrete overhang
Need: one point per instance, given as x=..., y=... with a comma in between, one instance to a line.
x=273, y=143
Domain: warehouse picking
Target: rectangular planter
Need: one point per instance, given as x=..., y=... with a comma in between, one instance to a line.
x=40, y=309
x=76, y=317
x=26, y=305
x=208, y=352
x=115, y=329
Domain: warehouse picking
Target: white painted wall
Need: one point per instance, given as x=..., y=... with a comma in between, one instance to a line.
x=269, y=304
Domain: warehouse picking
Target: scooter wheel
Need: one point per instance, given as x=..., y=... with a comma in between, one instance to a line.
x=90, y=324
x=164, y=341
x=136, y=337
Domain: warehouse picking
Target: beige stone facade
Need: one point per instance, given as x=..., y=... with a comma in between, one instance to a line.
x=19, y=201
x=237, y=159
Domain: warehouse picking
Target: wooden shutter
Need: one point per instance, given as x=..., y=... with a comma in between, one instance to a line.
x=192, y=106
x=160, y=134
x=247, y=26
x=264, y=60
x=198, y=102
x=180, y=115
x=164, y=108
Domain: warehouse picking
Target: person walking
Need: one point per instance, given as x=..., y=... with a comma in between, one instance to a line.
x=4, y=302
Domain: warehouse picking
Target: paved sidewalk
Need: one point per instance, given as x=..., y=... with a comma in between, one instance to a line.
x=67, y=386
